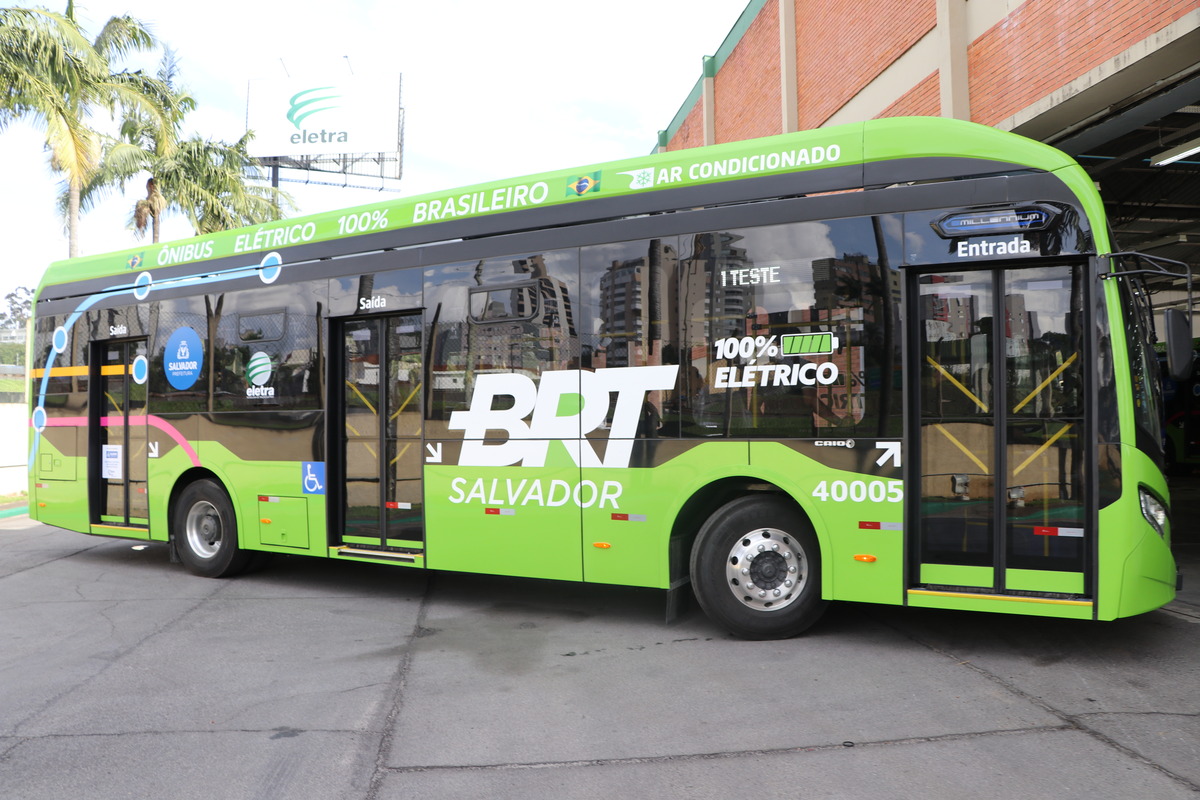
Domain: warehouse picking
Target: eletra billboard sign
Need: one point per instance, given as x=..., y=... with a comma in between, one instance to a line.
x=315, y=116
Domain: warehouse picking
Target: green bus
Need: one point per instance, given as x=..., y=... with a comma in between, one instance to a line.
x=891, y=362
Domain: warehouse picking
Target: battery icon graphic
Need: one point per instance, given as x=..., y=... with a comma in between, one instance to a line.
x=808, y=344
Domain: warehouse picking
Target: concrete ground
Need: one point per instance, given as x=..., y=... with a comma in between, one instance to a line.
x=121, y=676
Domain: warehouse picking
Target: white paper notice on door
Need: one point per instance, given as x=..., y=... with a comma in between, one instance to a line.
x=111, y=462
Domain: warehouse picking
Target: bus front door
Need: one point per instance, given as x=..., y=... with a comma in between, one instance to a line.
x=1002, y=468
x=117, y=449
x=378, y=454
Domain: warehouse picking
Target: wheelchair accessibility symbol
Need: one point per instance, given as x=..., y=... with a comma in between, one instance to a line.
x=313, y=477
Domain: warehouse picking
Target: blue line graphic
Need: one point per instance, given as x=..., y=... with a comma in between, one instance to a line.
x=268, y=270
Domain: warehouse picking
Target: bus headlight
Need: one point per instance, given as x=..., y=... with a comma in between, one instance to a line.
x=1153, y=510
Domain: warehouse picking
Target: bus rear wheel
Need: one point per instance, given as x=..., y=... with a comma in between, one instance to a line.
x=756, y=569
x=205, y=532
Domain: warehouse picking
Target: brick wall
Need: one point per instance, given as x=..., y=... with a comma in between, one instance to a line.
x=842, y=45
x=1045, y=44
x=691, y=132
x=923, y=100
x=747, y=86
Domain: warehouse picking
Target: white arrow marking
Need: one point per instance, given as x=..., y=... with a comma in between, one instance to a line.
x=153, y=449
x=890, y=450
x=435, y=453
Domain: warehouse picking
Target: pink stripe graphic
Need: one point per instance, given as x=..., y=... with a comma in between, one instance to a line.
x=157, y=422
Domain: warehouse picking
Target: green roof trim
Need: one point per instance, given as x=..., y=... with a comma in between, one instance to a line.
x=792, y=153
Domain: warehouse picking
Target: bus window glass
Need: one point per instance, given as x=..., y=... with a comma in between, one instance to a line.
x=1044, y=403
x=517, y=302
x=262, y=355
x=628, y=319
x=532, y=329
x=75, y=354
x=791, y=331
x=181, y=326
x=376, y=286
x=265, y=327
x=1066, y=234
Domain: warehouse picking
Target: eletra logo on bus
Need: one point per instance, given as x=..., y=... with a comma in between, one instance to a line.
x=258, y=373
x=183, y=358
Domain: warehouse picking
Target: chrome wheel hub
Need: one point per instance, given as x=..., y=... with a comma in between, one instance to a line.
x=204, y=529
x=766, y=569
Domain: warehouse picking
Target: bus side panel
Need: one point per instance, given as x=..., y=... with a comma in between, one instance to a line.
x=520, y=521
x=857, y=513
x=56, y=498
x=626, y=534
x=274, y=511
x=169, y=458
x=58, y=474
x=1137, y=572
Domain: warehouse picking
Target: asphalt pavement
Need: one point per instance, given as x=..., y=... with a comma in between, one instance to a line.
x=121, y=676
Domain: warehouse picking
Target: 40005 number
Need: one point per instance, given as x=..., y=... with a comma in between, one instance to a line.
x=859, y=491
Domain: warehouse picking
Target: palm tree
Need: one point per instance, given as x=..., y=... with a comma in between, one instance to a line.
x=40, y=55
x=54, y=76
x=209, y=182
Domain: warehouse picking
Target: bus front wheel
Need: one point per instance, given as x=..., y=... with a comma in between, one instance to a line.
x=756, y=569
x=205, y=531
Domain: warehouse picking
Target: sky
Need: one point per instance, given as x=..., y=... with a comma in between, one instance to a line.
x=490, y=90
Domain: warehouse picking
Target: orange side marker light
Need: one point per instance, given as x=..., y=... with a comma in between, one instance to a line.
x=866, y=559
x=601, y=545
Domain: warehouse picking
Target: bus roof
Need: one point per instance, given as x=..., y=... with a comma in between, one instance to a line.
x=856, y=144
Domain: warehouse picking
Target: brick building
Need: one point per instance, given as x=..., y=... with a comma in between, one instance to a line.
x=1115, y=83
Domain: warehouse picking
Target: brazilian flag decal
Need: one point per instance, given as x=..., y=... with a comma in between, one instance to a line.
x=581, y=185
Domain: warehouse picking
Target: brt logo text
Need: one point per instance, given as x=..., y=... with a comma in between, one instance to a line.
x=566, y=406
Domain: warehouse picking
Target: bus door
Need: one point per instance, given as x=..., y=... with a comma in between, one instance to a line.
x=117, y=435
x=1000, y=478
x=379, y=425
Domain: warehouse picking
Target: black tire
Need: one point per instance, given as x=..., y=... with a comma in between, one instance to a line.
x=205, y=532
x=744, y=557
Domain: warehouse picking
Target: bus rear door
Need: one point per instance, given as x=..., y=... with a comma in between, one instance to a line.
x=377, y=442
x=117, y=445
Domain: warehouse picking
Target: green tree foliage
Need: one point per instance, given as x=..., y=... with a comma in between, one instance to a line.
x=14, y=314
x=55, y=77
x=209, y=182
x=16, y=309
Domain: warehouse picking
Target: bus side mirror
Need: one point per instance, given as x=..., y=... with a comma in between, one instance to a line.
x=1179, y=344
